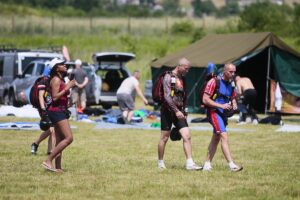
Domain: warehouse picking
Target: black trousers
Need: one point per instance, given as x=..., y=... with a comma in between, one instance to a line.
x=249, y=102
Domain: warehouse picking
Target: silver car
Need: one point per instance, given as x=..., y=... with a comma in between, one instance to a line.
x=20, y=88
x=110, y=66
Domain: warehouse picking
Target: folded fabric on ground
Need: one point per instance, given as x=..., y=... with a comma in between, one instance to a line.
x=105, y=125
x=25, y=111
x=20, y=126
x=289, y=128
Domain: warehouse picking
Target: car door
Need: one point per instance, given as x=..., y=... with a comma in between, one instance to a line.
x=23, y=82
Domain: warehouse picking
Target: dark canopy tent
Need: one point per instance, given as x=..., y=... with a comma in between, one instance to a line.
x=259, y=56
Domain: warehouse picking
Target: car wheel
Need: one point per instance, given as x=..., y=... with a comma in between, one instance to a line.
x=13, y=100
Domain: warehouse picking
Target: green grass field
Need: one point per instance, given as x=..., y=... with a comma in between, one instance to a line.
x=121, y=164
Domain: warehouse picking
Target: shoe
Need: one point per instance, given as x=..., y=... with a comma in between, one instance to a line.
x=49, y=168
x=248, y=120
x=161, y=166
x=34, y=148
x=236, y=168
x=194, y=166
x=79, y=110
x=60, y=171
x=255, y=122
x=207, y=168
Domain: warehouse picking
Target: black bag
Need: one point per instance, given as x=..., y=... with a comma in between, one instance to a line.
x=175, y=135
x=158, y=90
x=34, y=91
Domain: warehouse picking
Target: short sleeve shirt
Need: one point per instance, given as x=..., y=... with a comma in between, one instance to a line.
x=128, y=86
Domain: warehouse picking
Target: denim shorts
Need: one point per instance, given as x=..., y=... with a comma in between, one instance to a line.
x=56, y=116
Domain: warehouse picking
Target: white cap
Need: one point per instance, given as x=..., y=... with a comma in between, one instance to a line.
x=78, y=62
x=56, y=61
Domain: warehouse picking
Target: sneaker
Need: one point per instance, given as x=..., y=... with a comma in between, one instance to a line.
x=236, y=168
x=207, y=168
x=255, y=122
x=194, y=166
x=248, y=120
x=34, y=148
x=161, y=166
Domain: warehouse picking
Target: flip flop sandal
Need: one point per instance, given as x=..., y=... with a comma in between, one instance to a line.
x=48, y=168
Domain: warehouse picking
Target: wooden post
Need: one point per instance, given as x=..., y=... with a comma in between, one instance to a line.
x=167, y=24
x=129, y=25
x=13, y=24
x=91, y=24
x=52, y=25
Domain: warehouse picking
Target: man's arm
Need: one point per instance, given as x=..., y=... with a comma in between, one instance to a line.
x=140, y=93
x=212, y=104
x=41, y=99
x=208, y=92
x=83, y=84
x=239, y=88
x=169, y=99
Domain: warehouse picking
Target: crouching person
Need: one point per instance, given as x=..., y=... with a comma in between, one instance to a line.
x=173, y=112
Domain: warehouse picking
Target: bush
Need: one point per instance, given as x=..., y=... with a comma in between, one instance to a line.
x=198, y=34
x=185, y=27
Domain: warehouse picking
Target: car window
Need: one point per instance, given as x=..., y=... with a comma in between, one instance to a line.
x=112, y=74
x=39, y=69
x=29, y=70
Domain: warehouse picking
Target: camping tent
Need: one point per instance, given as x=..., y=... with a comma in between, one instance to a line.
x=259, y=56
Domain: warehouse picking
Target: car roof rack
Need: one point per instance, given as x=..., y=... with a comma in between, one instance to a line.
x=12, y=48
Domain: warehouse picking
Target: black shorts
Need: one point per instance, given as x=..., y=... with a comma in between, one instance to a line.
x=56, y=116
x=167, y=118
x=250, y=97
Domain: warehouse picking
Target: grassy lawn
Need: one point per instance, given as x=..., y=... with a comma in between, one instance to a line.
x=121, y=164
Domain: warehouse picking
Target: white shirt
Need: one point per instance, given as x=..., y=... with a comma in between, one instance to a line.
x=128, y=86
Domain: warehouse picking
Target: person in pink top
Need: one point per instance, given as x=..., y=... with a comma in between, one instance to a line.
x=58, y=113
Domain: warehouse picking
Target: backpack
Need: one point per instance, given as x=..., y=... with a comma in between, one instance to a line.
x=34, y=91
x=216, y=92
x=158, y=90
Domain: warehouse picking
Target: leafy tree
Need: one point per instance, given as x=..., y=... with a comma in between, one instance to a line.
x=231, y=8
x=171, y=7
x=201, y=7
x=85, y=5
x=265, y=16
x=296, y=20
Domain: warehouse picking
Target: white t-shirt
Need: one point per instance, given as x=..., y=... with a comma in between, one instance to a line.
x=128, y=86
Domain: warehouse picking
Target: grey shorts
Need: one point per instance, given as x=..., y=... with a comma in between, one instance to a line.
x=82, y=95
x=125, y=102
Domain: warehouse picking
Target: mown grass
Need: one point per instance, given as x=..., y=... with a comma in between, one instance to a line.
x=121, y=164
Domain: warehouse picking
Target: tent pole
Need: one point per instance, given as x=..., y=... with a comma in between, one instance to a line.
x=267, y=80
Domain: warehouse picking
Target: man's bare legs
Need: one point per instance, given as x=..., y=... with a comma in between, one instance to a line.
x=187, y=147
x=187, y=144
x=225, y=149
